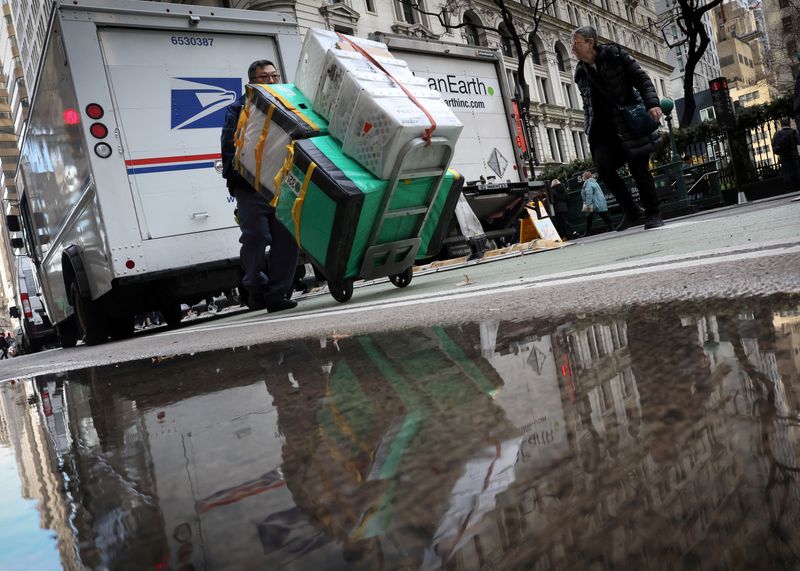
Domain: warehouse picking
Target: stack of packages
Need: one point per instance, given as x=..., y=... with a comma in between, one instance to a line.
x=322, y=151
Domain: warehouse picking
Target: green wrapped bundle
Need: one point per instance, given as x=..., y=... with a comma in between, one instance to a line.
x=330, y=203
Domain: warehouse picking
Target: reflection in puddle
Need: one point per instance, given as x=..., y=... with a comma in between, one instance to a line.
x=667, y=437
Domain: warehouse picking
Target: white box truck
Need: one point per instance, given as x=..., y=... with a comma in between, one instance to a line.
x=124, y=209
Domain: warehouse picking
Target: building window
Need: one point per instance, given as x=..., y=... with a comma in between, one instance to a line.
x=471, y=31
x=370, y=5
x=576, y=140
x=707, y=114
x=506, y=44
x=560, y=60
x=568, y=95
x=535, y=57
x=541, y=85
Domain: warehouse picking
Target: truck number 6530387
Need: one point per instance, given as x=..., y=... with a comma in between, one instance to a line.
x=192, y=41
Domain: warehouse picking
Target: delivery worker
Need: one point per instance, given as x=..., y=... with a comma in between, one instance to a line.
x=268, y=281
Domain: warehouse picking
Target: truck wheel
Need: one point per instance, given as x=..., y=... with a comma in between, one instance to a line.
x=89, y=316
x=122, y=327
x=172, y=314
x=67, y=332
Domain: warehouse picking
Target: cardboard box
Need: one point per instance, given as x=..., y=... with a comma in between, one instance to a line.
x=382, y=123
x=312, y=57
x=276, y=115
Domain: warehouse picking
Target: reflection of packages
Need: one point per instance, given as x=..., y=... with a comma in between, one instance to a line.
x=273, y=116
x=330, y=203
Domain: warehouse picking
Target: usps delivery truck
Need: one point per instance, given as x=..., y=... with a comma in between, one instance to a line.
x=124, y=209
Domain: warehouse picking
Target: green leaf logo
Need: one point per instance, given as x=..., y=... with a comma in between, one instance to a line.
x=491, y=91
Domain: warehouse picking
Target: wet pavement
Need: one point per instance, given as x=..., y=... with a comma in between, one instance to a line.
x=663, y=436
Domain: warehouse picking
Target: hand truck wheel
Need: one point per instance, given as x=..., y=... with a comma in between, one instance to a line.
x=403, y=278
x=341, y=292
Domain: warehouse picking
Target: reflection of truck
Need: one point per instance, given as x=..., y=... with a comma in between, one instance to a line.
x=37, y=331
x=122, y=207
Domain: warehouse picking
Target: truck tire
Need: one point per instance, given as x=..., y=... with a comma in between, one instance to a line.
x=172, y=314
x=89, y=316
x=67, y=332
x=122, y=327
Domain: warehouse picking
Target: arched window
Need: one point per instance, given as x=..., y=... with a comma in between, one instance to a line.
x=506, y=43
x=536, y=58
x=560, y=60
x=471, y=30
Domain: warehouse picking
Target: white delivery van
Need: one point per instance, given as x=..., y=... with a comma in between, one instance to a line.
x=124, y=209
x=35, y=331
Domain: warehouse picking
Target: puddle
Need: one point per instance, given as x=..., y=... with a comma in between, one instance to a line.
x=661, y=438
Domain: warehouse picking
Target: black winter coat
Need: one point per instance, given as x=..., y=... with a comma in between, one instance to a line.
x=620, y=75
x=559, y=199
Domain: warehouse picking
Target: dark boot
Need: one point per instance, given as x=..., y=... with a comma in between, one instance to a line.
x=653, y=221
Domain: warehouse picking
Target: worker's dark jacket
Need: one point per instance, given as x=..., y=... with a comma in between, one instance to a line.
x=232, y=178
x=618, y=74
x=784, y=143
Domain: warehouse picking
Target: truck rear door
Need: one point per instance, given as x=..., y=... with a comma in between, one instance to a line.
x=472, y=90
x=170, y=90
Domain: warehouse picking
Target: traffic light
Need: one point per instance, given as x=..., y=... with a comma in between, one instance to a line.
x=723, y=106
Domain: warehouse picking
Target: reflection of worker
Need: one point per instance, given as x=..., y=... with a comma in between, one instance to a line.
x=267, y=282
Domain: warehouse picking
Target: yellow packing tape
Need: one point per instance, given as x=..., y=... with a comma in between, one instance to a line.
x=297, y=207
x=262, y=138
x=287, y=166
x=288, y=104
x=241, y=126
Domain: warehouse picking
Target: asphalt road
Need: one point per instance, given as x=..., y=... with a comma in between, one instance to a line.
x=741, y=251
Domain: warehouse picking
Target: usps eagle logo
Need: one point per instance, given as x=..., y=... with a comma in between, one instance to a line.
x=200, y=102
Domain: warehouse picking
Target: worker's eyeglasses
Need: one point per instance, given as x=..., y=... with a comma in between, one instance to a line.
x=268, y=76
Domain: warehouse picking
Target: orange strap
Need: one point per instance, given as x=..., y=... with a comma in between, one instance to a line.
x=429, y=131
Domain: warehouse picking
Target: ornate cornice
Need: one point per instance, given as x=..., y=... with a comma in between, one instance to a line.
x=414, y=30
x=339, y=13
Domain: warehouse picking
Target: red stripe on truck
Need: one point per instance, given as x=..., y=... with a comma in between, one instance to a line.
x=178, y=159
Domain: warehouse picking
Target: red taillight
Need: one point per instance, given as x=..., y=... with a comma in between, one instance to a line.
x=71, y=117
x=94, y=111
x=98, y=130
x=130, y=264
x=26, y=305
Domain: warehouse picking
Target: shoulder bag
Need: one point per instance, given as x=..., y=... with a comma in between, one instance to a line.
x=636, y=116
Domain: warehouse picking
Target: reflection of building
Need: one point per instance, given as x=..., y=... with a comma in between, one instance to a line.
x=642, y=442
x=38, y=468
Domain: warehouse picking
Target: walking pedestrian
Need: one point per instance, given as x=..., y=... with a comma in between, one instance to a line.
x=560, y=201
x=267, y=281
x=610, y=79
x=784, y=144
x=594, y=202
x=3, y=346
x=797, y=96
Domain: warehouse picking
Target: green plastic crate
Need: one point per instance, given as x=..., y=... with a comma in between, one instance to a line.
x=342, y=202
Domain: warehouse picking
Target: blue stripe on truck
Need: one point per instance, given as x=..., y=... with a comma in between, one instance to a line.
x=165, y=168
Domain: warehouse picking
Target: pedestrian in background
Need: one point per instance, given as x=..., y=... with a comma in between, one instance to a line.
x=784, y=144
x=267, y=282
x=3, y=346
x=797, y=96
x=594, y=202
x=560, y=202
x=609, y=78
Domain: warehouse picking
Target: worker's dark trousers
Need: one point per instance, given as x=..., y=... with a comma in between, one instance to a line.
x=607, y=164
x=260, y=229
